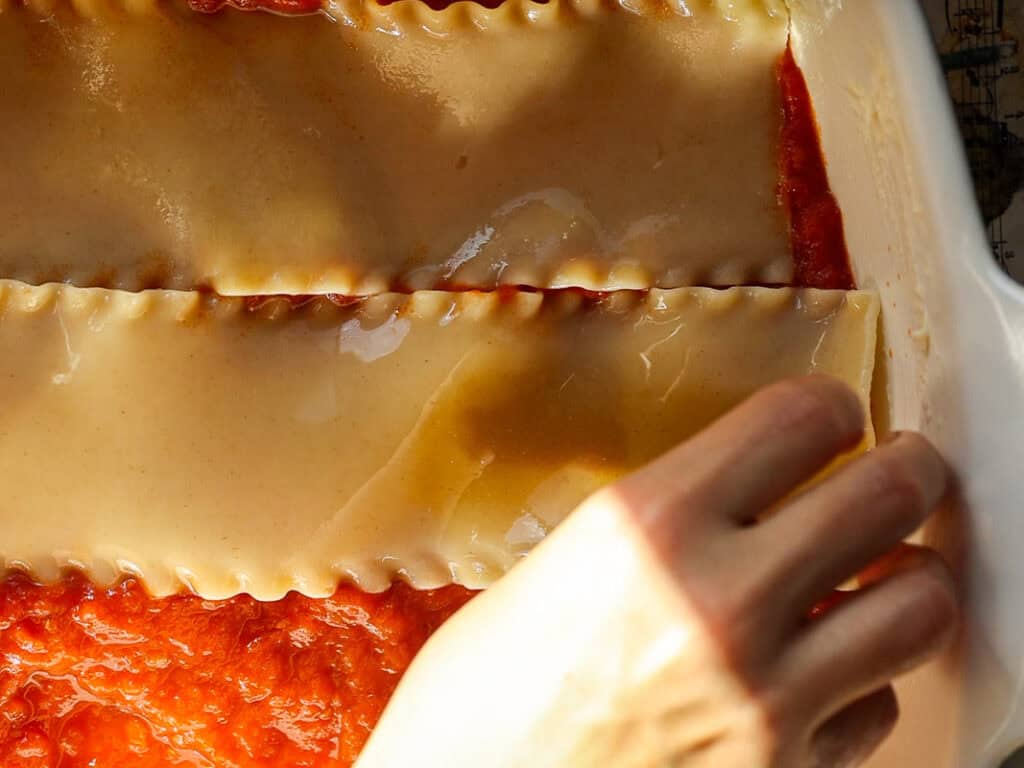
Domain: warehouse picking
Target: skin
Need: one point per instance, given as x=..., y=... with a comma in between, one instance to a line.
x=666, y=622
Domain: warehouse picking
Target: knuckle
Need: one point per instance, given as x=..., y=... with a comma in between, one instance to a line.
x=724, y=609
x=652, y=495
x=936, y=600
x=745, y=628
x=894, y=480
x=732, y=612
x=821, y=403
x=917, y=443
x=929, y=612
x=930, y=465
x=691, y=499
x=684, y=505
x=648, y=508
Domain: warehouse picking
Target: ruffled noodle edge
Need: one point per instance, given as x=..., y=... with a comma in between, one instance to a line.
x=421, y=569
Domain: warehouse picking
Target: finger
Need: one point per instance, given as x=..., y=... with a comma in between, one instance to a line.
x=841, y=526
x=889, y=563
x=850, y=737
x=753, y=456
x=874, y=573
x=877, y=634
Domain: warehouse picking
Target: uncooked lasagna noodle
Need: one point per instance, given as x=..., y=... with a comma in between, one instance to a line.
x=232, y=445
x=369, y=148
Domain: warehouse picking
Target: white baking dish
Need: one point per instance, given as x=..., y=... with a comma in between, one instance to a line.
x=953, y=347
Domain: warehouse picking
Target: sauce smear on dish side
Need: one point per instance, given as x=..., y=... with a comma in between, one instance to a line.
x=100, y=677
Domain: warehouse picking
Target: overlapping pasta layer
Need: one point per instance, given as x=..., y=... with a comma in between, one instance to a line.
x=569, y=143
x=433, y=436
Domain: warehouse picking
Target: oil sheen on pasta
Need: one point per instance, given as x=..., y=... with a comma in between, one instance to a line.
x=112, y=677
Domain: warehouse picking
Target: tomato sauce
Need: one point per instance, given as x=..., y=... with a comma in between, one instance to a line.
x=110, y=677
x=816, y=223
x=97, y=678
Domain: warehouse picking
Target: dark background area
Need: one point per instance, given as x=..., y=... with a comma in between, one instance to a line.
x=979, y=44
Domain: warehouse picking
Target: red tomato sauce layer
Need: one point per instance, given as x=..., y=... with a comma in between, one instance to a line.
x=112, y=678
x=820, y=258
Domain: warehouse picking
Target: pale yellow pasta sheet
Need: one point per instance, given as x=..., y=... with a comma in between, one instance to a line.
x=238, y=447
x=364, y=149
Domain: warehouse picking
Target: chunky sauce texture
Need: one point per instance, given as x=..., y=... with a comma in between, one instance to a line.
x=93, y=677
x=106, y=677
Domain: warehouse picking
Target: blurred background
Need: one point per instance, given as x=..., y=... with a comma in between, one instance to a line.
x=979, y=43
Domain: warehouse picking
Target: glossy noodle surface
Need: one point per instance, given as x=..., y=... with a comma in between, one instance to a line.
x=100, y=677
x=210, y=443
x=574, y=143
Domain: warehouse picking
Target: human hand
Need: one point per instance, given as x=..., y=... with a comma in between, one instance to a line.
x=668, y=621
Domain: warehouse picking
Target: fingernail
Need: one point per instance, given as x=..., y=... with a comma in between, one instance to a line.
x=892, y=437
